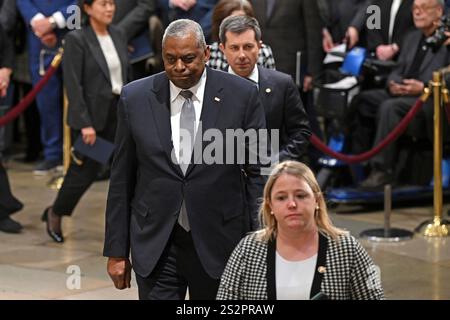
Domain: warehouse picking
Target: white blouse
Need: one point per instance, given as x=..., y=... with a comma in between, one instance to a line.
x=113, y=61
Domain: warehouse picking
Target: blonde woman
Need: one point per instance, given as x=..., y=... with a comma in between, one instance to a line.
x=298, y=254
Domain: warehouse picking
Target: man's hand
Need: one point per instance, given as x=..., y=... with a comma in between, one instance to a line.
x=183, y=4
x=5, y=75
x=327, y=40
x=49, y=40
x=89, y=135
x=386, y=51
x=409, y=87
x=307, y=83
x=41, y=27
x=413, y=87
x=119, y=269
x=351, y=37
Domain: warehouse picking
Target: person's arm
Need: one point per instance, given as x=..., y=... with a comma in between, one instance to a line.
x=120, y=193
x=8, y=15
x=27, y=9
x=296, y=124
x=73, y=66
x=6, y=61
x=254, y=119
x=313, y=33
x=365, y=281
x=230, y=287
x=135, y=20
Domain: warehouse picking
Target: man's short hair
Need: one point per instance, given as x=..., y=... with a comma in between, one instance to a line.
x=239, y=24
x=181, y=28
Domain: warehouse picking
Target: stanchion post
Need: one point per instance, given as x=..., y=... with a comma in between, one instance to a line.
x=437, y=228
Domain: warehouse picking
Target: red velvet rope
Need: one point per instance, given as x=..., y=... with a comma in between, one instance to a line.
x=394, y=134
x=26, y=101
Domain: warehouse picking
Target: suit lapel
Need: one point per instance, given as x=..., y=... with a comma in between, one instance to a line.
x=121, y=49
x=320, y=266
x=160, y=106
x=212, y=102
x=265, y=89
x=97, y=52
x=270, y=270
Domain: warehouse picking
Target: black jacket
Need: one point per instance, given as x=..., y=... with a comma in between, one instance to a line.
x=86, y=77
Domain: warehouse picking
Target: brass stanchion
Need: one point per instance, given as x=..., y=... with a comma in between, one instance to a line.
x=438, y=228
x=57, y=181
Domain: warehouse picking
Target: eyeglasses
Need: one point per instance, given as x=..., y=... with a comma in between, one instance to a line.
x=423, y=8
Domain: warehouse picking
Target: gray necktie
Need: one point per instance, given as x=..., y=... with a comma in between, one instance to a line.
x=187, y=127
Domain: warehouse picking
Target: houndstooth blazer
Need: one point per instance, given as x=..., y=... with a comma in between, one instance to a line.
x=344, y=270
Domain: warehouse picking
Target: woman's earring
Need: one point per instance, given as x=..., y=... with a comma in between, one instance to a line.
x=271, y=212
x=316, y=212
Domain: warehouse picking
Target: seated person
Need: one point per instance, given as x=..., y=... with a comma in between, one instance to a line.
x=378, y=112
x=385, y=42
x=298, y=254
x=223, y=9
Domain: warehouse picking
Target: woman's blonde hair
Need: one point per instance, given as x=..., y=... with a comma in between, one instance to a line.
x=301, y=171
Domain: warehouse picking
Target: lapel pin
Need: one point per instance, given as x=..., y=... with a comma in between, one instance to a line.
x=321, y=269
x=268, y=90
x=217, y=99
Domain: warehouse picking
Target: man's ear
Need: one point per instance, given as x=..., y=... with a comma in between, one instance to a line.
x=221, y=47
x=207, y=53
x=260, y=43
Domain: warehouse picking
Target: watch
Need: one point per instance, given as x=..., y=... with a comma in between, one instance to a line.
x=52, y=22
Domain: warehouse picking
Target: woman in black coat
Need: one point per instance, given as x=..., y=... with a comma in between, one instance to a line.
x=95, y=69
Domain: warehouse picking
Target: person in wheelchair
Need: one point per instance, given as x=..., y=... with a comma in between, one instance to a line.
x=377, y=112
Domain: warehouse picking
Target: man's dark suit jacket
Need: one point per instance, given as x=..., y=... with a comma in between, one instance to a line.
x=147, y=188
x=87, y=79
x=402, y=26
x=431, y=62
x=294, y=25
x=284, y=111
x=8, y=203
x=131, y=16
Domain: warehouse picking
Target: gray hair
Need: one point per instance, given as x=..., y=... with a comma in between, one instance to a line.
x=183, y=27
x=239, y=24
x=441, y=3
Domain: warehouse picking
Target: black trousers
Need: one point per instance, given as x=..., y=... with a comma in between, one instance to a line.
x=80, y=177
x=375, y=114
x=178, y=268
x=8, y=203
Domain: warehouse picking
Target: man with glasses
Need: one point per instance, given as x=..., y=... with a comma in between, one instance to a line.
x=378, y=112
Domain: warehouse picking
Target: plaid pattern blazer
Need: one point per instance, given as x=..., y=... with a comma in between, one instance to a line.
x=218, y=61
x=344, y=270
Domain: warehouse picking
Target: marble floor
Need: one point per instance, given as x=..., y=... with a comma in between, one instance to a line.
x=34, y=267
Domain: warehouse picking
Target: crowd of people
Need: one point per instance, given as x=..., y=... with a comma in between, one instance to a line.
x=142, y=74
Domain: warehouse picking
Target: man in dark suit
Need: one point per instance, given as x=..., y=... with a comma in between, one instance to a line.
x=396, y=22
x=197, y=10
x=290, y=26
x=240, y=38
x=132, y=19
x=181, y=218
x=381, y=110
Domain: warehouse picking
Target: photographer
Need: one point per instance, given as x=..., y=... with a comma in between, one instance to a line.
x=378, y=112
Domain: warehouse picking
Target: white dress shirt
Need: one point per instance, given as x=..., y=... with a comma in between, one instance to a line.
x=176, y=103
x=254, y=76
x=394, y=10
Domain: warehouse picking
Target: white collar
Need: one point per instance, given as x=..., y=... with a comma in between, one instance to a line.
x=254, y=76
x=197, y=90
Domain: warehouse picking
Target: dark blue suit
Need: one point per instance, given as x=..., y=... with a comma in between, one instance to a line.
x=201, y=12
x=147, y=188
x=49, y=100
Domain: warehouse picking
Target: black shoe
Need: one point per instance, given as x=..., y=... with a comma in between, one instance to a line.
x=56, y=236
x=8, y=225
x=377, y=179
